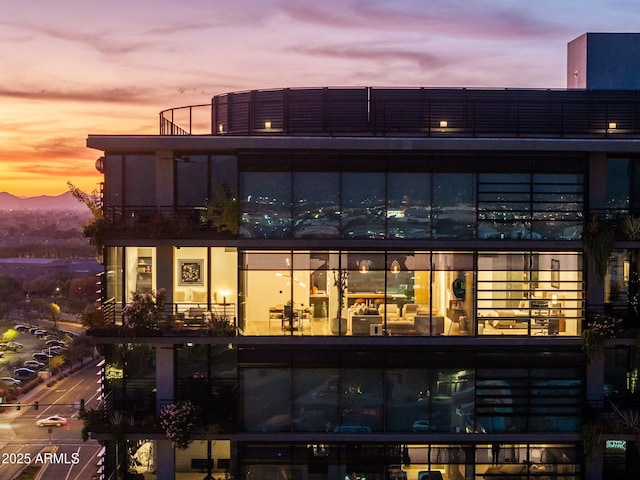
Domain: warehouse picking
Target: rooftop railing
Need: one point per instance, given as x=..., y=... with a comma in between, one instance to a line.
x=416, y=112
x=187, y=120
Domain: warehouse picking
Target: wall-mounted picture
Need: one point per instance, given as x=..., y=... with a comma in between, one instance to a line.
x=190, y=272
x=555, y=273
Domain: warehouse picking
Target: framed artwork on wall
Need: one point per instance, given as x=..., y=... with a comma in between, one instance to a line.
x=190, y=272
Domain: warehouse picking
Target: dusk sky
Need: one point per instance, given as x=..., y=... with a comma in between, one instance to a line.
x=70, y=68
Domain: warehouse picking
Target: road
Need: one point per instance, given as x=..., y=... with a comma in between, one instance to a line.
x=65, y=455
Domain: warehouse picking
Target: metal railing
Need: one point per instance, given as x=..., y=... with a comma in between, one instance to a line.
x=418, y=112
x=187, y=120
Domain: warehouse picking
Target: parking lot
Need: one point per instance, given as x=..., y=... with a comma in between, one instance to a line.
x=13, y=359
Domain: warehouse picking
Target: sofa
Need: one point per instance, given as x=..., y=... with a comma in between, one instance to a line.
x=410, y=310
x=505, y=318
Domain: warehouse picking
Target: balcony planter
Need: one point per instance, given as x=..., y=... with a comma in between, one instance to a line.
x=222, y=327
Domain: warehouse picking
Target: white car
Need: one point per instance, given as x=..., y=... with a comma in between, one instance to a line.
x=10, y=381
x=34, y=364
x=52, y=421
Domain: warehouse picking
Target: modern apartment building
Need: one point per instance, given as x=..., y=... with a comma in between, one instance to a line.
x=405, y=273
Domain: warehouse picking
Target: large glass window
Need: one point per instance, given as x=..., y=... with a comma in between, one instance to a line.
x=557, y=206
x=534, y=206
x=191, y=180
x=518, y=400
x=411, y=293
x=316, y=204
x=315, y=399
x=114, y=189
x=420, y=400
x=414, y=461
x=618, y=184
x=142, y=191
x=266, y=398
x=265, y=204
x=508, y=460
x=453, y=293
x=530, y=293
x=113, y=273
x=400, y=204
x=361, y=401
x=409, y=205
x=206, y=376
x=130, y=376
x=454, y=202
x=363, y=205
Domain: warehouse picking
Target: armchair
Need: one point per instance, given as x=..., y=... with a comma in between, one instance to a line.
x=410, y=310
x=391, y=311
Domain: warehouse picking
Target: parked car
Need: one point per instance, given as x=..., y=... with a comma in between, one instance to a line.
x=34, y=364
x=10, y=381
x=52, y=421
x=55, y=343
x=22, y=328
x=15, y=346
x=41, y=357
x=24, y=372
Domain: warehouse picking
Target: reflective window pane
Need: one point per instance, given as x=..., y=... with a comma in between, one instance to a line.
x=265, y=204
x=316, y=204
x=409, y=205
x=363, y=205
x=454, y=201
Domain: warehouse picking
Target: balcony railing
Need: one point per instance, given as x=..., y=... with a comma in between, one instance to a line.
x=416, y=112
x=216, y=319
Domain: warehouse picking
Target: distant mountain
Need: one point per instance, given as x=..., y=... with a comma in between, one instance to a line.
x=66, y=201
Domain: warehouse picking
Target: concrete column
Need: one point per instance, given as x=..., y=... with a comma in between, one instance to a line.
x=595, y=381
x=597, y=187
x=164, y=270
x=165, y=460
x=597, y=201
x=164, y=178
x=165, y=392
x=164, y=372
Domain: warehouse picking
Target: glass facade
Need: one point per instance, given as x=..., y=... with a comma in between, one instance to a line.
x=411, y=293
x=411, y=400
x=372, y=292
x=282, y=202
x=422, y=461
